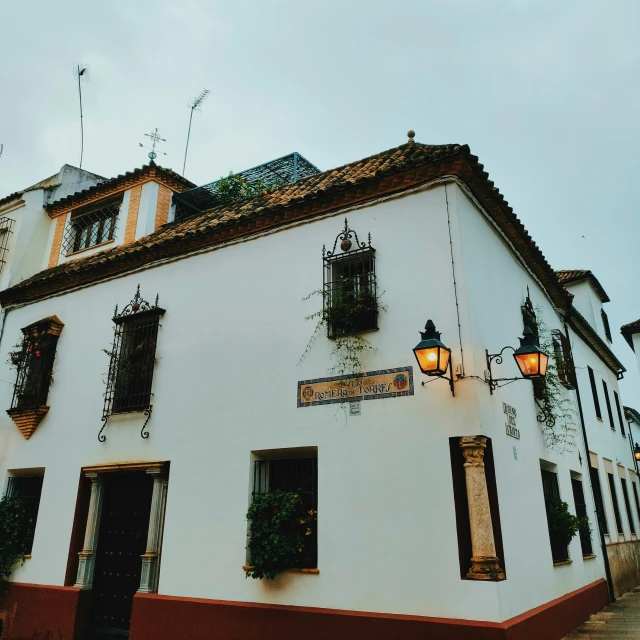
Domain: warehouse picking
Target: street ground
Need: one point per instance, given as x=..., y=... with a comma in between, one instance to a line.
x=619, y=620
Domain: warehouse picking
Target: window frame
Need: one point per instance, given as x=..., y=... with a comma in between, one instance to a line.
x=627, y=504
x=12, y=486
x=79, y=233
x=619, y=410
x=607, y=400
x=594, y=393
x=598, y=497
x=614, y=502
x=580, y=503
x=262, y=481
x=564, y=359
x=551, y=492
x=605, y=323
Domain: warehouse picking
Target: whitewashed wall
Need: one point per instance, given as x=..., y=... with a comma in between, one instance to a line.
x=225, y=385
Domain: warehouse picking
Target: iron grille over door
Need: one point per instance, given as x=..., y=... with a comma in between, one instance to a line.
x=28, y=489
x=299, y=475
x=552, y=495
x=581, y=512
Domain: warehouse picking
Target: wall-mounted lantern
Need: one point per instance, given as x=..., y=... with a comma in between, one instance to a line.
x=434, y=358
x=530, y=358
x=636, y=452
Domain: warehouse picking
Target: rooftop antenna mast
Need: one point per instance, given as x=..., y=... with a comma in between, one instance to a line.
x=155, y=140
x=193, y=105
x=82, y=72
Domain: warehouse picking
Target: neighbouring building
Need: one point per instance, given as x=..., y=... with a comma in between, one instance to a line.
x=181, y=358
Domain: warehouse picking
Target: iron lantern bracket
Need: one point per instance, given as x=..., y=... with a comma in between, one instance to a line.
x=449, y=379
x=490, y=380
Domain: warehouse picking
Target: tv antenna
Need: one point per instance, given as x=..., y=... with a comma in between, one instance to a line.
x=155, y=140
x=82, y=72
x=193, y=105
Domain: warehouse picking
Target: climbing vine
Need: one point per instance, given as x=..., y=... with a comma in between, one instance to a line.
x=235, y=187
x=557, y=412
x=15, y=530
x=342, y=319
x=563, y=525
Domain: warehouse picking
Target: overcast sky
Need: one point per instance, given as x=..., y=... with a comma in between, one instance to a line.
x=547, y=94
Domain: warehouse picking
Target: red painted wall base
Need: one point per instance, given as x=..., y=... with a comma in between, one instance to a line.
x=158, y=617
x=40, y=612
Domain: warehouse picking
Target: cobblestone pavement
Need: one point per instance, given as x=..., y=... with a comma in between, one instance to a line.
x=619, y=620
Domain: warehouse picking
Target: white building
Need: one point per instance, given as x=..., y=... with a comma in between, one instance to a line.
x=431, y=506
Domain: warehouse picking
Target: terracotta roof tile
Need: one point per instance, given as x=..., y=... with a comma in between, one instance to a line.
x=382, y=174
x=629, y=330
x=575, y=275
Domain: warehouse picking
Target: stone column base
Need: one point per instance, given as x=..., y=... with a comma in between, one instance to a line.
x=149, y=573
x=485, y=568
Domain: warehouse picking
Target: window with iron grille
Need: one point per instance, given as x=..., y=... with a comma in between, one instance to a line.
x=28, y=489
x=349, y=286
x=133, y=357
x=608, y=403
x=627, y=504
x=581, y=512
x=551, y=492
x=301, y=476
x=594, y=393
x=88, y=228
x=614, y=502
x=597, y=495
x=605, y=322
x=563, y=359
x=34, y=364
x=619, y=410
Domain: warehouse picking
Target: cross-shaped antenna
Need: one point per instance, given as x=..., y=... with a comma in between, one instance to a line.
x=155, y=140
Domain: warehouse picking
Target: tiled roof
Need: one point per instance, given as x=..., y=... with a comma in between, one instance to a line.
x=581, y=326
x=575, y=275
x=628, y=330
x=117, y=184
x=383, y=174
x=630, y=412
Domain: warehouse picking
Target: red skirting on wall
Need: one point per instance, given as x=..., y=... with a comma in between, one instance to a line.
x=40, y=612
x=158, y=617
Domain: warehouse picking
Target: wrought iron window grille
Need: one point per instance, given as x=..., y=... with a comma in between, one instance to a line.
x=6, y=226
x=349, y=289
x=299, y=475
x=132, y=360
x=90, y=228
x=34, y=363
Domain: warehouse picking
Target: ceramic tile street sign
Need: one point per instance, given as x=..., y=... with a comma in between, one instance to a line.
x=372, y=385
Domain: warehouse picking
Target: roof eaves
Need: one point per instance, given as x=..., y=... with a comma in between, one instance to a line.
x=629, y=330
x=630, y=411
x=580, y=324
x=567, y=276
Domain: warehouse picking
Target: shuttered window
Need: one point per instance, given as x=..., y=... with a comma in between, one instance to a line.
x=619, y=411
x=607, y=399
x=627, y=504
x=551, y=492
x=614, y=502
x=594, y=392
x=605, y=322
x=597, y=494
x=28, y=489
x=581, y=512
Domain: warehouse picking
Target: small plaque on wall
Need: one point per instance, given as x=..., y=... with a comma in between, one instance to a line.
x=373, y=385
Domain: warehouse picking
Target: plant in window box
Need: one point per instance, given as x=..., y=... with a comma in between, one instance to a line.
x=563, y=525
x=14, y=533
x=279, y=528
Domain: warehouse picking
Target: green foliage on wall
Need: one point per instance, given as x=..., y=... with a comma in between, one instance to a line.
x=279, y=526
x=563, y=525
x=14, y=532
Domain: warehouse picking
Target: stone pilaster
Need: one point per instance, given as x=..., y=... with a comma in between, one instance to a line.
x=151, y=557
x=484, y=563
x=87, y=557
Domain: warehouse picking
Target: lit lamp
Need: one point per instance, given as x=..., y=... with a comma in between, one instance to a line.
x=530, y=358
x=636, y=452
x=432, y=355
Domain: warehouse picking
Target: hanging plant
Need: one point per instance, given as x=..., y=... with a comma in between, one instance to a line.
x=563, y=525
x=15, y=530
x=279, y=527
x=556, y=408
x=343, y=318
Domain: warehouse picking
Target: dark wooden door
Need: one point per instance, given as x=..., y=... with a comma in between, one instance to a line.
x=122, y=539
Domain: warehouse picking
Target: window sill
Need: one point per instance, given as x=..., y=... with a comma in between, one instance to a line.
x=562, y=563
x=591, y=556
x=246, y=567
x=94, y=246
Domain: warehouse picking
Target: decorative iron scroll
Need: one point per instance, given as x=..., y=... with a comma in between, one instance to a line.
x=346, y=236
